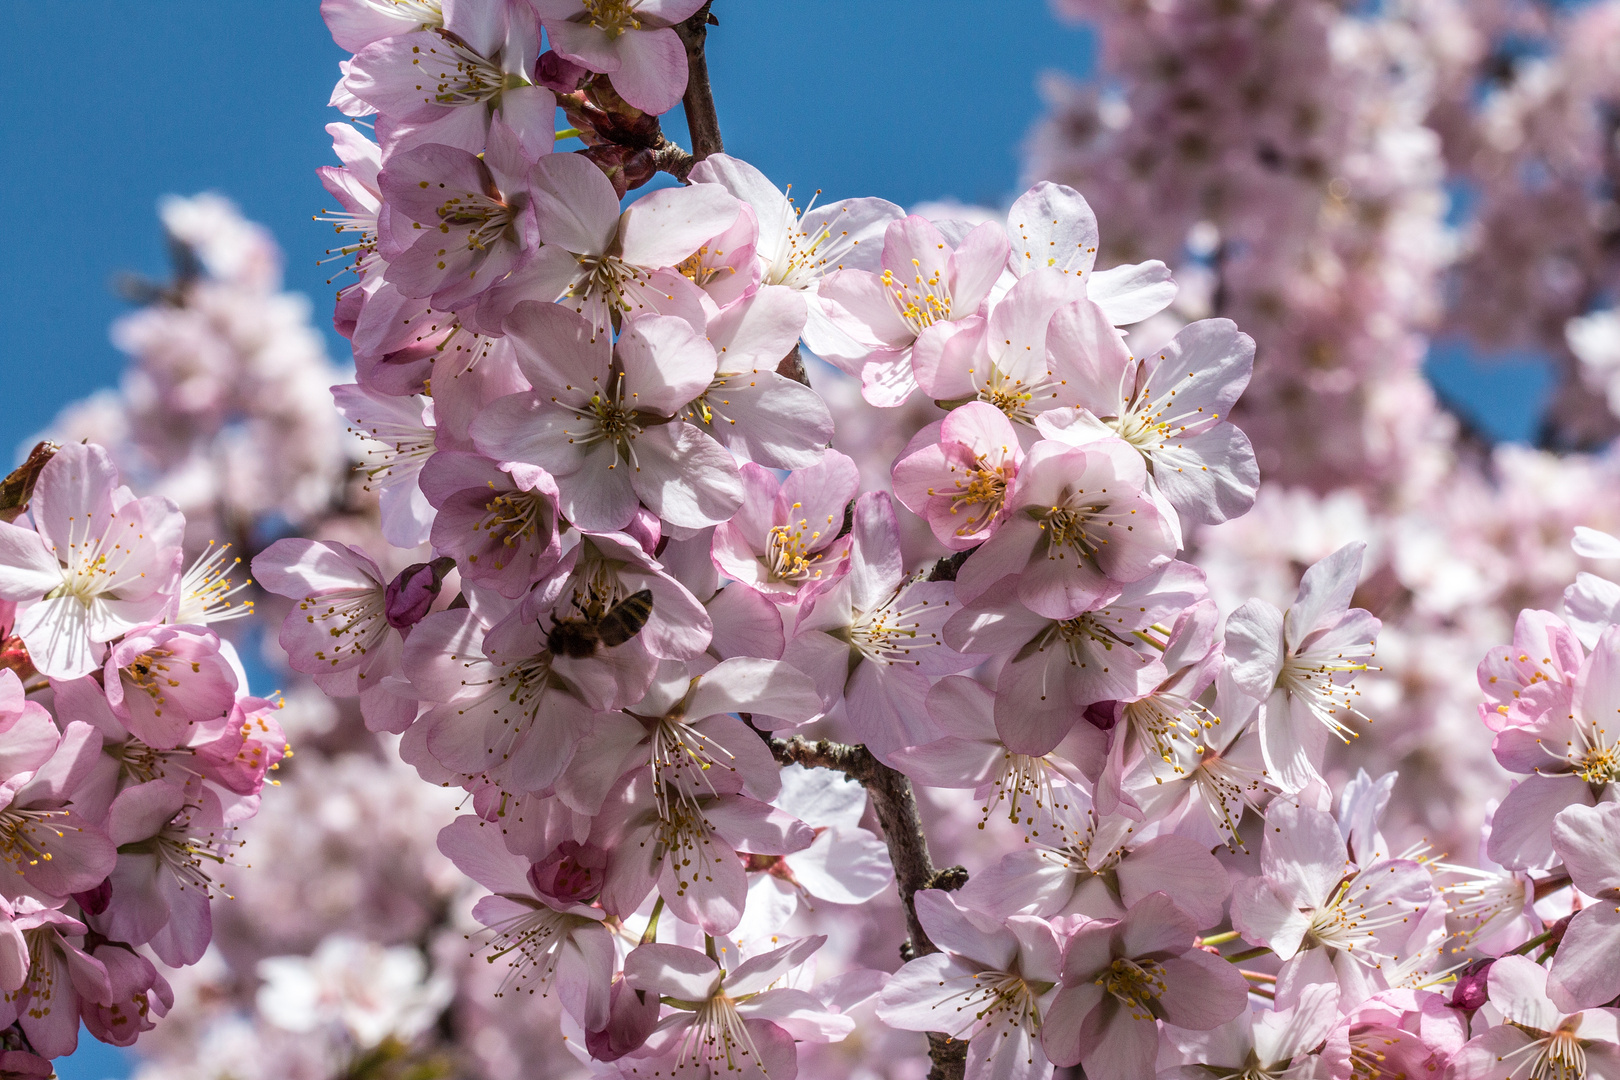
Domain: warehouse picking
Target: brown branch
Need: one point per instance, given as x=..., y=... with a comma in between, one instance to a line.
x=701, y=120
x=672, y=158
x=792, y=367
x=896, y=807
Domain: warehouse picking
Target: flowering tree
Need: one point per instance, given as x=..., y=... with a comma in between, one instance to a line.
x=704, y=637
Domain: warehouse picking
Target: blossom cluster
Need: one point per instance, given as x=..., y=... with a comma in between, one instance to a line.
x=708, y=675
x=595, y=419
x=131, y=751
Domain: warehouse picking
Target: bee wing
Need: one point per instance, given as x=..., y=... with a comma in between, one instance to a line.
x=625, y=619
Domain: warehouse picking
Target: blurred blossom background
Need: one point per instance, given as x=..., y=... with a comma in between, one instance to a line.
x=1410, y=204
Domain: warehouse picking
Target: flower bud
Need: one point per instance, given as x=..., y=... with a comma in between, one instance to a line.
x=407, y=598
x=556, y=73
x=1103, y=715
x=645, y=529
x=573, y=873
x=632, y=1015
x=95, y=900
x=1471, y=989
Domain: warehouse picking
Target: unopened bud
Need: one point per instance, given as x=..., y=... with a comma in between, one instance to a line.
x=1103, y=715
x=409, y=596
x=1472, y=985
x=573, y=873
x=557, y=73
x=645, y=530
x=632, y=1015
x=625, y=166
x=94, y=901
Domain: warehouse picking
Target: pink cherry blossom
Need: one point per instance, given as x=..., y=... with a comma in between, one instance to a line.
x=1055, y=668
x=686, y=849
x=1275, y=1043
x=62, y=980
x=101, y=561
x=51, y=849
x=339, y=631
x=461, y=222
x=784, y=541
x=168, y=850
x=1536, y=1035
x=957, y=477
x=760, y=414
x=971, y=754
x=1052, y=226
x=1079, y=526
x=845, y=864
x=1118, y=976
x=1329, y=919
x=735, y=1023
x=926, y=287
x=1003, y=359
x=398, y=433
x=500, y=525
x=1300, y=664
x=602, y=420
x=444, y=85
x=547, y=948
x=609, y=265
x=630, y=41
x=1544, y=649
x=992, y=986
x=1582, y=975
x=503, y=707
x=1172, y=407
x=357, y=23
x=1080, y=862
x=870, y=640
x=162, y=681
x=796, y=249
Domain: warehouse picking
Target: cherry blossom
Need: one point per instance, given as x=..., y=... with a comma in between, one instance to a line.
x=607, y=264
x=1119, y=975
x=958, y=480
x=1079, y=525
x=1300, y=664
x=992, y=986
x=1537, y=1038
x=1330, y=920
x=784, y=540
x=1587, y=841
x=734, y=1023
x=796, y=249
x=98, y=562
x=605, y=426
x=628, y=40
x=926, y=287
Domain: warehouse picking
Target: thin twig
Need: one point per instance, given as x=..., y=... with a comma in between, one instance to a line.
x=701, y=120
x=896, y=807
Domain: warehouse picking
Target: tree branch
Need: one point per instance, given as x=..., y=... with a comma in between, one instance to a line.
x=701, y=120
x=792, y=367
x=896, y=807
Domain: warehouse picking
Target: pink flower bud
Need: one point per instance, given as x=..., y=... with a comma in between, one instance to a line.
x=573, y=873
x=408, y=597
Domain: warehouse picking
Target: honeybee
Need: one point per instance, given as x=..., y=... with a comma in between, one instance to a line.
x=579, y=637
